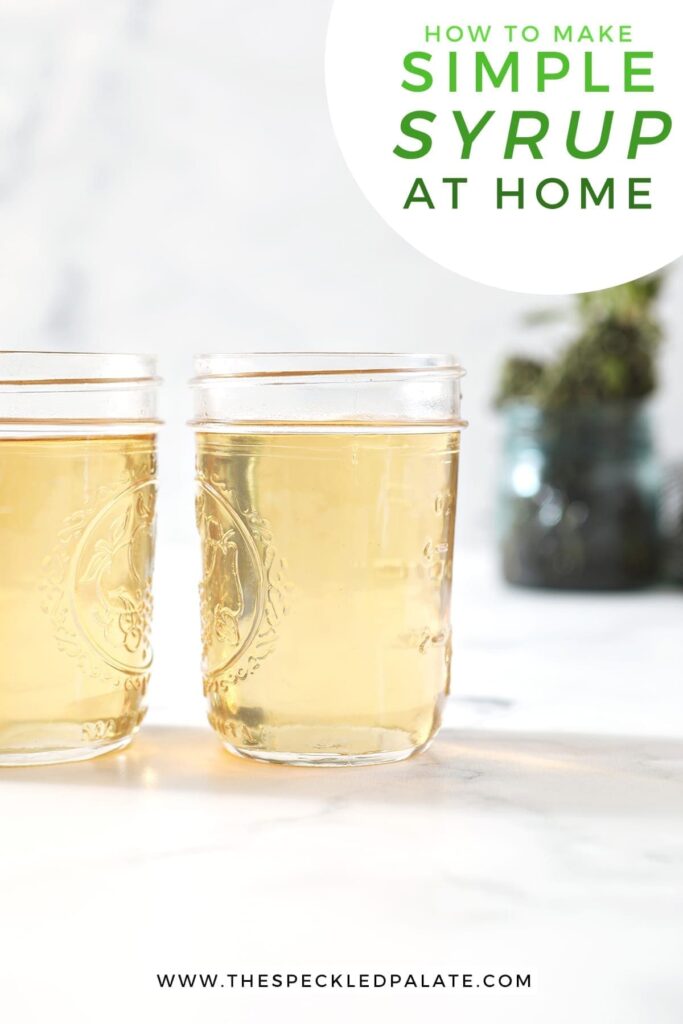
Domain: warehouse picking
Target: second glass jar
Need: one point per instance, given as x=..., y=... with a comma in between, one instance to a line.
x=326, y=510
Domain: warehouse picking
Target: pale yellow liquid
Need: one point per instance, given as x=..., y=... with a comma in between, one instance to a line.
x=326, y=591
x=76, y=550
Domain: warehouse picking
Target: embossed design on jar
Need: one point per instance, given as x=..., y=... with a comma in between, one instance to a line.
x=243, y=586
x=111, y=579
x=97, y=582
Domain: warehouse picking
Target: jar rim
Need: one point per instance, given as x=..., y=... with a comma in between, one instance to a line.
x=309, y=367
x=54, y=393
x=36, y=367
x=308, y=392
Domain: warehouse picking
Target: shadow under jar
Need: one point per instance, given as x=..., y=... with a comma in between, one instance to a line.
x=326, y=509
x=77, y=519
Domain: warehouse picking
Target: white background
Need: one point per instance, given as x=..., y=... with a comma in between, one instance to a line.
x=169, y=182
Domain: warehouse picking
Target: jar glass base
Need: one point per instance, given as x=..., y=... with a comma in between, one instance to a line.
x=321, y=760
x=29, y=758
x=330, y=758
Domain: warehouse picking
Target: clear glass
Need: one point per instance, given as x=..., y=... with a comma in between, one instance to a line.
x=77, y=478
x=326, y=510
x=579, y=497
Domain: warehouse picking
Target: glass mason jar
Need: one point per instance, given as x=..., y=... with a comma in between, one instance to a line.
x=325, y=508
x=77, y=479
x=579, y=497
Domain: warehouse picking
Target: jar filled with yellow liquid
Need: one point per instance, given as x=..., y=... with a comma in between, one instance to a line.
x=77, y=501
x=326, y=489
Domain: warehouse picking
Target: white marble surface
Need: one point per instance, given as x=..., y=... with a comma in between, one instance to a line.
x=542, y=834
x=493, y=852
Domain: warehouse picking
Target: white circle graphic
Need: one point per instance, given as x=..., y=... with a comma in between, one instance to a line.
x=524, y=148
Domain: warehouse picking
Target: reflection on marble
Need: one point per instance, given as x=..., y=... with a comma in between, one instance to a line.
x=473, y=769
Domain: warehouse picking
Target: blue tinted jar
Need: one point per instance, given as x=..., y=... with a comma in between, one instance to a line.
x=579, y=497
